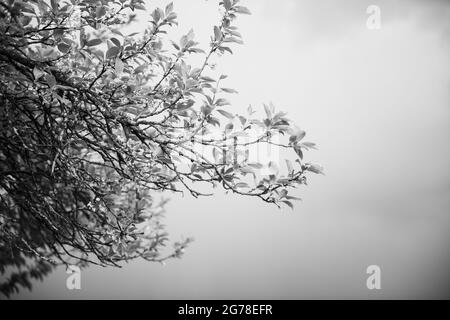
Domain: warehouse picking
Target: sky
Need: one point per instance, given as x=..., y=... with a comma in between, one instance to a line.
x=376, y=102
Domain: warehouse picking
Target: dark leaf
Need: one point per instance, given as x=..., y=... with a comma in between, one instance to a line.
x=93, y=42
x=112, y=52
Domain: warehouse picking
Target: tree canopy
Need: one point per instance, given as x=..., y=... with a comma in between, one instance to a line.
x=96, y=125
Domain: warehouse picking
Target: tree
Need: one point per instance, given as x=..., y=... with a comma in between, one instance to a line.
x=96, y=124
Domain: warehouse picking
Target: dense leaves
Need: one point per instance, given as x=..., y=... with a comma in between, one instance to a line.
x=95, y=124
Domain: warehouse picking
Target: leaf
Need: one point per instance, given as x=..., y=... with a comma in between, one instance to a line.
x=315, y=168
x=207, y=79
x=185, y=105
x=227, y=4
x=289, y=204
x=299, y=152
x=297, y=137
x=221, y=102
x=176, y=46
x=183, y=41
x=246, y=170
x=117, y=32
x=229, y=170
x=51, y=81
x=213, y=121
x=190, y=36
x=63, y=47
x=191, y=83
x=229, y=90
x=139, y=6
x=268, y=112
x=54, y=5
x=37, y=73
x=217, y=33
x=93, y=42
x=242, y=9
x=100, y=11
x=241, y=185
x=301, y=135
x=235, y=40
x=283, y=193
x=309, y=145
x=115, y=41
x=196, y=50
x=112, y=52
x=140, y=69
x=225, y=114
x=210, y=100
x=169, y=8
x=226, y=49
x=156, y=15
x=26, y=20
x=129, y=89
x=206, y=110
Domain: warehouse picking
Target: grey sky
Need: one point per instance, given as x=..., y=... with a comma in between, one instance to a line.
x=377, y=104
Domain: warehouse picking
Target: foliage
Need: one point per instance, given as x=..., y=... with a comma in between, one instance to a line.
x=96, y=123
